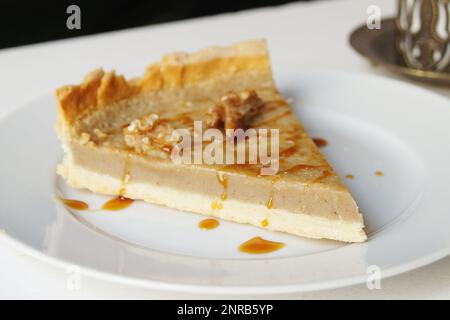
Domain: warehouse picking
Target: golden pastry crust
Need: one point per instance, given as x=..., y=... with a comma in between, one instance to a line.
x=174, y=71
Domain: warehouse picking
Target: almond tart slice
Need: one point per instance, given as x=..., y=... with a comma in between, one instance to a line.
x=118, y=140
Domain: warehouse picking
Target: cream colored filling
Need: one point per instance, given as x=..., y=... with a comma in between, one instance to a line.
x=300, y=224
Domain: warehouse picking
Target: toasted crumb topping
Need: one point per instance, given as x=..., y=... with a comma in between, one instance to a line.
x=99, y=134
x=146, y=123
x=150, y=135
x=84, y=138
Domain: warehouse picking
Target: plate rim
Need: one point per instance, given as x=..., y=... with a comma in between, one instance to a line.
x=230, y=290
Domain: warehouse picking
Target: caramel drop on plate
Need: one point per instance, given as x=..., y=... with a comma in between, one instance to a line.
x=259, y=245
x=350, y=176
x=265, y=223
x=320, y=143
x=208, y=224
x=75, y=204
x=379, y=173
x=117, y=203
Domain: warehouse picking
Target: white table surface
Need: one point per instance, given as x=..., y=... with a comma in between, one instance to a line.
x=305, y=34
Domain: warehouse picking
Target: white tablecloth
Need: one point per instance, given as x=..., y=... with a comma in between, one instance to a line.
x=305, y=34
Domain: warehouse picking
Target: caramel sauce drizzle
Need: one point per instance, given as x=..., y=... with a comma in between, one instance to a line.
x=320, y=143
x=289, y=151
x=208, y=224
x=223, y=180
x=117, y=203
x=265, y=223
x=258, y=245
x=294, y=140
x=216, y=205
x=121, y=202
x=275, y=179
x=299, y=167
x=126, y=175
x=350, y=176
x=75, y=204
x=270, y=201
x=325, y=174
x=379, y=173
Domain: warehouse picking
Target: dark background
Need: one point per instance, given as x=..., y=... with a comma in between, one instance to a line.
x=25, y=22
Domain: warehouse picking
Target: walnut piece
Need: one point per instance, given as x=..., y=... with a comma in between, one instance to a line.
x=235, y=110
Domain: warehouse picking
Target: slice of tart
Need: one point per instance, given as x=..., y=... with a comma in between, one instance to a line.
x=119, y=139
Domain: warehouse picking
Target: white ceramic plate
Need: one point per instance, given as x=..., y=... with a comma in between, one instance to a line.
x=371, y=123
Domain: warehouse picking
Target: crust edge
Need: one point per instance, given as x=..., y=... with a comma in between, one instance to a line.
x=178, y=70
